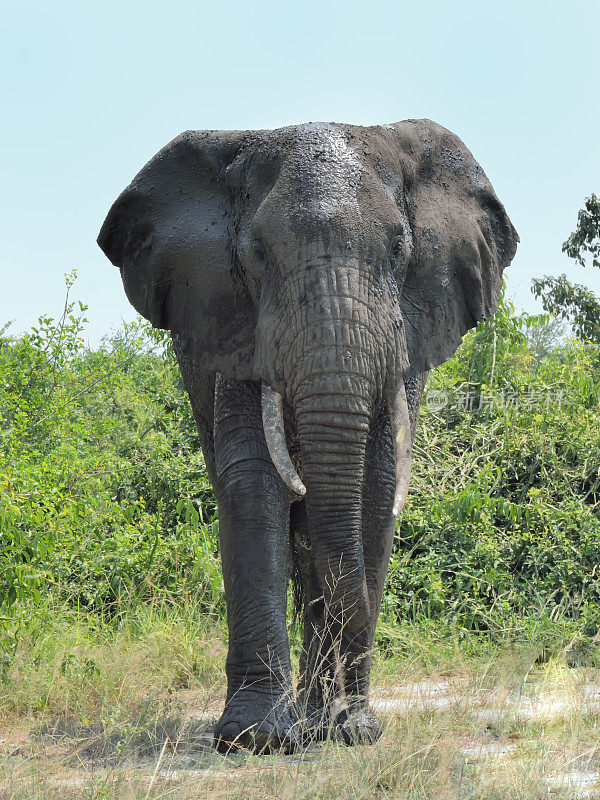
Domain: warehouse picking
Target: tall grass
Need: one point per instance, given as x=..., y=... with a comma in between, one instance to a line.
x=73, y=664
x=135, y=722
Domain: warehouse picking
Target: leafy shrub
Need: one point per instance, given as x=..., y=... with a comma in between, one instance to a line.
x=103, y=482
x=503, y=516
x=105, y=493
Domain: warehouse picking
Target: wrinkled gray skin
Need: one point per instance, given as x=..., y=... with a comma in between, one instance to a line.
x=334, y=264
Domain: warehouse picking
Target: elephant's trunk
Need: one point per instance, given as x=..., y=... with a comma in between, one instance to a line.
x=333, y=346
x=333, y=431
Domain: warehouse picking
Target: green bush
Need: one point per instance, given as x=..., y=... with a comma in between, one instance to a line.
x=503, y=517
x=103, y=482
x=105, y=493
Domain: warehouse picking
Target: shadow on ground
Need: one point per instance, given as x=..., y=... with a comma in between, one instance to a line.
x=106, y=744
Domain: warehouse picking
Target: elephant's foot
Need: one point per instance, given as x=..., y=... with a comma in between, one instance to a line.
x=356, y=726
x=251, y=722
x=341, y=723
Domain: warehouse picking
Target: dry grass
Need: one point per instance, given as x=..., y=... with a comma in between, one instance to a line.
x=73, y=665
x=124, y=711
x=452, y=752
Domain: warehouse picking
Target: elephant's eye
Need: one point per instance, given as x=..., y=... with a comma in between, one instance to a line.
x=398, y=246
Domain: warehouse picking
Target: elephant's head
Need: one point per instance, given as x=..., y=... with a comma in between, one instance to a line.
x=327, y=261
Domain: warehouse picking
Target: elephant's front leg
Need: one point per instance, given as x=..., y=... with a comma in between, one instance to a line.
x=334, y=680
x=353, y=721
x=317, y=686
x=254, y=538
x=378, y=530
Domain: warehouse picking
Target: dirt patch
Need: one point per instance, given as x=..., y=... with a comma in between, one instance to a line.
x=109, y=744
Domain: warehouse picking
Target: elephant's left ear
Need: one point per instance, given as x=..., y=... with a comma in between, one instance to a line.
x=171, y=235
x=462, y=241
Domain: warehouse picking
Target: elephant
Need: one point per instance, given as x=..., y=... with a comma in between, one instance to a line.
x=310, y=276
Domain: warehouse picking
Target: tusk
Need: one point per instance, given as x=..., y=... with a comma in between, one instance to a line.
x=272, y=416
x=401, y=433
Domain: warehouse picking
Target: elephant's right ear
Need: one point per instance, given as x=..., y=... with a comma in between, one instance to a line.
x=462, y=237
x=170, y=234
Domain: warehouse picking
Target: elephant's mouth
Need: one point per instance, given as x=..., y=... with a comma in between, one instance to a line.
x=273, y=424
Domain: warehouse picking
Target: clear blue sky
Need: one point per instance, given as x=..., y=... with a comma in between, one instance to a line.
x=90, y=91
